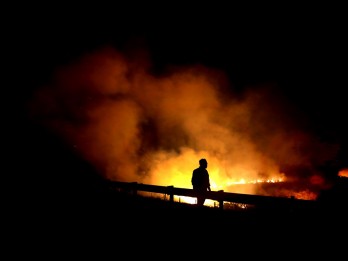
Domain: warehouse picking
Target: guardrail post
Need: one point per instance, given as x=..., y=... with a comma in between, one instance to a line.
x=221, y=202
x=171, y=193
x=134, y=188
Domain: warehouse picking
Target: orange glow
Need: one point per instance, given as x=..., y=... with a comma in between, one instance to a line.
x=302, y=194
x=135, y=127
x=176, y=170
x=317, y=180
x=343, y=173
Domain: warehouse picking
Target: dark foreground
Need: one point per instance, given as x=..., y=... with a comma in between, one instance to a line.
x=59, y=204
x=110, y=222
x=140, y=218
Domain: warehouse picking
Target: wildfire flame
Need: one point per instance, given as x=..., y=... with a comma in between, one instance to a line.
x=137, y=127
x=177, y=171
x=343, y=173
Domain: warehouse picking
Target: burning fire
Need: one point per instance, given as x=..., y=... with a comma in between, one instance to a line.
x=137, y=127
x=177, y=171
x=343, y=173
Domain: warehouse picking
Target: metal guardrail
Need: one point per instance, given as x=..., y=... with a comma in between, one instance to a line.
x=220, y=196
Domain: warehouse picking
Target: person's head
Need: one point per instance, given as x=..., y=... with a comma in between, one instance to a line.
x=203, y=163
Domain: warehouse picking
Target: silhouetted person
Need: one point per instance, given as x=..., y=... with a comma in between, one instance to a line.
x=200, y=181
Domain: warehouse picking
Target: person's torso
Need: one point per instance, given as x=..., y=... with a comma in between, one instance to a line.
x=201, y=177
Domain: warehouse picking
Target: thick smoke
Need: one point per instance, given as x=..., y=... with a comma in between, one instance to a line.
x=136, y=126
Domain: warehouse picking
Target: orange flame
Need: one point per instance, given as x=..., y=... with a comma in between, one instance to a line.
x=176, y=170
x=343, y=173
x=133, y=126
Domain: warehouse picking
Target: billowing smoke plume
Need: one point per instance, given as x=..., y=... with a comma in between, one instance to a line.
x=136, y=126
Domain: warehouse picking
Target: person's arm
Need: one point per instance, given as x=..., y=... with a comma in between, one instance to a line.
x=209, y=183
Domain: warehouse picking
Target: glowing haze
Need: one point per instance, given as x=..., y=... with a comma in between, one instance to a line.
x=136, y=126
